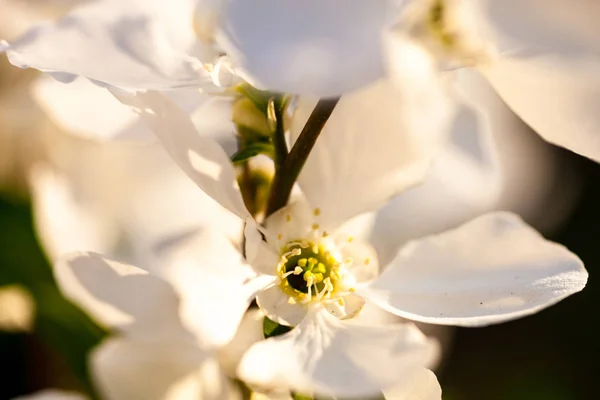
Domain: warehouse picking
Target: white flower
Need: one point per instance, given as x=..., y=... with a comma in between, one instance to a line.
x=540, y=56
x=321, y=271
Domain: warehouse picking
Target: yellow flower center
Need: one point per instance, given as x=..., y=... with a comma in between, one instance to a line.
x=308, y=271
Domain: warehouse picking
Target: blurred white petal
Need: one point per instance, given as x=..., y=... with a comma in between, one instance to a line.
x=249, y=332
x=120, y=296
x=66, y=222
x=52, y=394
x=215, y=284
x=133, y=45
x=17, y=309
x=127, y=369
x=423, y=386
x=546, y=70
x=201, y=158
x=311, y=47
x=555, y=94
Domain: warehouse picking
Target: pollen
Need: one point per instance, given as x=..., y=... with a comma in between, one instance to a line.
x=288, y=217
x=315, y=227
x=317, y=212
x=309, y=272
x=367, y=261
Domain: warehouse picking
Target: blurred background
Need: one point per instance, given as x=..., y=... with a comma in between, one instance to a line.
x=551, y=355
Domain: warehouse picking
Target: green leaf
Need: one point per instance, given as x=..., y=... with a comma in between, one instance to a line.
x=272, y=328
x=251, y=150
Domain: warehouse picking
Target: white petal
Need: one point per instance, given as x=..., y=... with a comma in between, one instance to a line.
x=388, y=134
x=120, y=296
x=365, y=264
x=350, y=308
x=466, y=179
x=310, y=46
x=75, y=108
x=133, y=45
x=336, y=358
x=291, y=222
x=249, y=332
x=547, y=67
x=492, y=269
x=202, y=159
x=424, y=386
x=266, y=260
x=553, y=25
x=215, y=284
x=64, y=222
x=274, y=303
x=52, y=394
x=126, y=369
x=555, y=94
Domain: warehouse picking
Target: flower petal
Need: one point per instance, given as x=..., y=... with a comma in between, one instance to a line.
x=215, y=284
x=74, y=107
x=127, y=369
x=64, y=223
x=336, y=358
x=543, y=24
x=251, y=331
x=274, y=303
x=492, y=269
x=133, y=45
x=475, y=170
x=389, y=134
x=120, y=296
x=310, y=46
x=555, y=94
x=424, y=386
x=202, y=159
x=52, y=394
x=547, y=67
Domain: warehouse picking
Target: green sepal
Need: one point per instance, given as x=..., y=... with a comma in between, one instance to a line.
x=260, y=98
x=272, y=328
x=251, y=150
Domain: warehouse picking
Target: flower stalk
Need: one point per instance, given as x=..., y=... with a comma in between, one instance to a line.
x=287, y=173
